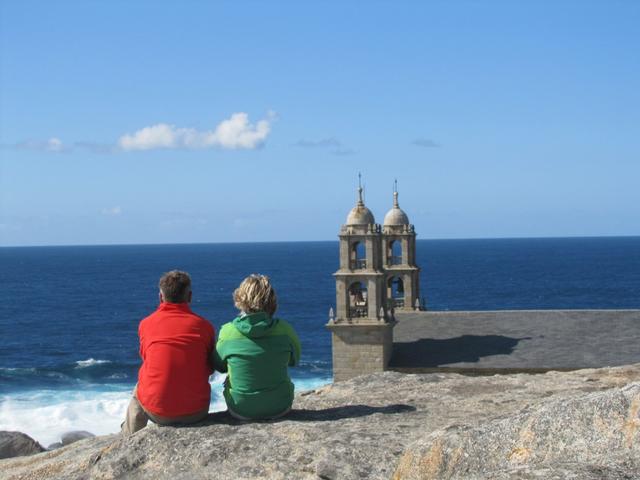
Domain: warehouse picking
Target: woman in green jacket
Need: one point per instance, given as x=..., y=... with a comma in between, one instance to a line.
x=255, y=350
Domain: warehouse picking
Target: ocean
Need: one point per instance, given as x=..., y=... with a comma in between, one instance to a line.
x=69, y=315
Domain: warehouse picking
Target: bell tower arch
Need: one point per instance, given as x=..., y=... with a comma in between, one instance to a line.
x=402, y=274
x=363, y=324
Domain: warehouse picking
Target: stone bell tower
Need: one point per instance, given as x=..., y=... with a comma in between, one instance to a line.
x=402, y=275
x=362, y=327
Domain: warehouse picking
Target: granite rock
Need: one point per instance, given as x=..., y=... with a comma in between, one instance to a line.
x=70, y=437
x=15, y=444
x=592, y=436
x=375, y=426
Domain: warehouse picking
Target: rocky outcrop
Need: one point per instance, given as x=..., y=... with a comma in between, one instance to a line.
x=389, y=425
x=14, y=444
x=70, y=437
x=595, y=436
x=75, y=435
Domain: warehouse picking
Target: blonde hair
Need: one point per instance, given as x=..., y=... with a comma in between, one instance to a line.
x=255, y=294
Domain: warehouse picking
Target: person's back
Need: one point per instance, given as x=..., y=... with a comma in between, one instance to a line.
x=176, y=348
x=175, y=345
x=256, y=349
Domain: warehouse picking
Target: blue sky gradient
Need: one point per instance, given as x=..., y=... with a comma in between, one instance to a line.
x=498, y=118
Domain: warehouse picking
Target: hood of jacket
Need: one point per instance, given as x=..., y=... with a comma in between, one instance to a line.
x=254, y=325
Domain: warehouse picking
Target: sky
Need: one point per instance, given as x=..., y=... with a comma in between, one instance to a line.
x=127, y=122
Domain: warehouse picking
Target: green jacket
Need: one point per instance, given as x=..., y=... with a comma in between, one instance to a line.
x=255, y=351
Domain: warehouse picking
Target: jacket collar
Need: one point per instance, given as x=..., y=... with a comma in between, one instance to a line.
x=254, y=324
x=174, y=307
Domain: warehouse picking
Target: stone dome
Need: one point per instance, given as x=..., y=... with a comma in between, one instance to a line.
x=396, y=215
x=360, y=215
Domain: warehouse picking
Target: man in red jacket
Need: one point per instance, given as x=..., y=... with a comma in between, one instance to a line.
x=176, y=347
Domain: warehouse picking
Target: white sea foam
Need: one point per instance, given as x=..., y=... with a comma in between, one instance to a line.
x=311, y=383
x=90, y=362
x=46, y=414
x=17, y=370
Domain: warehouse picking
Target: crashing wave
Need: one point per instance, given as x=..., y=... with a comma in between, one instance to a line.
x=90, y=362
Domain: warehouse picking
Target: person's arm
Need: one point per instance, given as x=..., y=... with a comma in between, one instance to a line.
x=141, y=350
x=294, y=359
x=218, y=357
x=211, y=361
x=219, y=364
x=211, y=349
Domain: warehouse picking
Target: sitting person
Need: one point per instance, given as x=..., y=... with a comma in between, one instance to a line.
x=176, y=347
x=256, y=349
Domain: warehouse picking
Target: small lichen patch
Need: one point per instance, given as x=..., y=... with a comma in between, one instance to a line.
x=455, y=459
x=519, y=455
x=633, y=422
x=431, y=463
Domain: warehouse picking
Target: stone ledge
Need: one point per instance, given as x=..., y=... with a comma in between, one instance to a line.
x=361, y=428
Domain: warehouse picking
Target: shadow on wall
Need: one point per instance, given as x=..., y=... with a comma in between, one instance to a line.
x=428, y=352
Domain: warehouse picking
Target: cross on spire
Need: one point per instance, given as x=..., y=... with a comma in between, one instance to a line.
x=395, y=194
x=360, y=201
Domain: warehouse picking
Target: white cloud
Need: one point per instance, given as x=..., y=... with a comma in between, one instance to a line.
x=53, y=144
x=324, y=142
x=240, y=222
x=95, y=147
x=112, y=212
x=184, y=222
x=10, y=227
x=343, y=151
x=336, y=146
x=425, y=142
x=234, y=133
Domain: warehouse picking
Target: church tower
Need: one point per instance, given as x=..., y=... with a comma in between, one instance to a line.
x=402, y=275
x=362, y=327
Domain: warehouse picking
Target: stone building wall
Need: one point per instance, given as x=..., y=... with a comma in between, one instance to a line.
x=360, y=349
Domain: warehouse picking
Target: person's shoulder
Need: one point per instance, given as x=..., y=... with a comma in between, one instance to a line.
x=284, y=326
x=284, y=323
x=228, y=331
x=198, y=317
x=202, y=320
x=148, y=319
x=228, y=328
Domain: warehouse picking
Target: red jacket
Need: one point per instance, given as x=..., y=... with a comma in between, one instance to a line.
x=175, y=346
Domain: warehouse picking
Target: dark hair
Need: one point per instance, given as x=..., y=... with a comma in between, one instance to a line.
x=175, y=286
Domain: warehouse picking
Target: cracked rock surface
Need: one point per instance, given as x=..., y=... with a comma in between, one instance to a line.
x=581, y=424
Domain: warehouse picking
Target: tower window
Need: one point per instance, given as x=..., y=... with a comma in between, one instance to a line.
x=358, y=256
x=358, y=301
x=395, y=292
x=394, y=253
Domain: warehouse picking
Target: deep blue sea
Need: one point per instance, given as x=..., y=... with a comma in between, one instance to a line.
x=69, y=315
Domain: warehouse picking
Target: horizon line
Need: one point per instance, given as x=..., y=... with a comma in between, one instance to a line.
x=257, y=242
